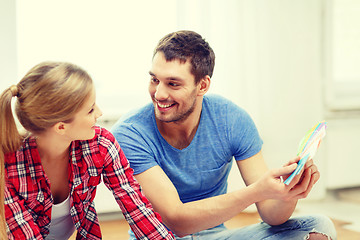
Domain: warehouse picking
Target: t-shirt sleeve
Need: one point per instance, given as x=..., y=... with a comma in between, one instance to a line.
x=136, y=149
x=243, y=135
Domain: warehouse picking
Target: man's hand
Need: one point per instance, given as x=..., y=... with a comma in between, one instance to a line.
x=275, y=200
x=306, y=179
x=271, y=185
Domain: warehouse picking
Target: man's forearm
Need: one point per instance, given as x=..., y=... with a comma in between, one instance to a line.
x=275, y=212
x=203, y=214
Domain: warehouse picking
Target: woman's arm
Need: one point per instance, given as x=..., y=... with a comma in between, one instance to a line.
x=118, y=177
x=20, y=222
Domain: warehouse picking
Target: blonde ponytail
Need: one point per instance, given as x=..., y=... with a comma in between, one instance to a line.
x=10, y=141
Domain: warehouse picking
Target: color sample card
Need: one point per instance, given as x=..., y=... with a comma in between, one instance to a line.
x=308, y=147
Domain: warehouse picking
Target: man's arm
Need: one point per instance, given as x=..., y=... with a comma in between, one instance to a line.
x=187, y=218
x=277, y=201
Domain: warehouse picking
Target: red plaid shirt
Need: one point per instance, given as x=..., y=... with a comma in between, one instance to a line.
x=28, y=199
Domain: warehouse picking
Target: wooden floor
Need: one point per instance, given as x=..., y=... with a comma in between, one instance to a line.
x=117, y=229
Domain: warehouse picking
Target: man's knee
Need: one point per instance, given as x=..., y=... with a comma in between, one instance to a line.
x=323, y=229
x=318, y=236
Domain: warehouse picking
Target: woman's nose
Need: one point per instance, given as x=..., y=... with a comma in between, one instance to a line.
x=98, y=112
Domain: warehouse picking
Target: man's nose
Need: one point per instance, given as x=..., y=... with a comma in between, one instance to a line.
x=161, y=91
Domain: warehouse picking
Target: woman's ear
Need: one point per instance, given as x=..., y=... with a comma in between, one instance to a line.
x=59, y=128
x=204, y=85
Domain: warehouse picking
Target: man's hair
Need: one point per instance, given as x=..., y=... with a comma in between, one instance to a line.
x=188, y=45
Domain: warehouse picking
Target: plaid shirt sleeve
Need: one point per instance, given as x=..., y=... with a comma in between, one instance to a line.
x=118, y=177
x=23, y=198
x=20, y=222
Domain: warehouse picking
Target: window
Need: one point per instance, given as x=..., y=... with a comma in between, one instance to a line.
x=342, y=54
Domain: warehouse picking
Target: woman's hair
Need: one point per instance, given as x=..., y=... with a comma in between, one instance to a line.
x=188, y=45
x=49, y=93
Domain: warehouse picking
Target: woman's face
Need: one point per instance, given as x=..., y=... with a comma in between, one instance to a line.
x=83, y=125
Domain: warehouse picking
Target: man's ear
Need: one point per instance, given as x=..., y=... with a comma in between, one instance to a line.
x=204, y=85
x=59, y=128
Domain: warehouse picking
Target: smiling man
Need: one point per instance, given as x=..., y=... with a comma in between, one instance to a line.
x=181, y=149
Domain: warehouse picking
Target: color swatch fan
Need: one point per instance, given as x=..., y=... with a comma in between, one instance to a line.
x=308, y=147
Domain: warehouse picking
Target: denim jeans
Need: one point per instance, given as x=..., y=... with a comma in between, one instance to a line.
x=295, y=228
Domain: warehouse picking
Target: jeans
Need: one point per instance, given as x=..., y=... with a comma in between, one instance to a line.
x=295, y=228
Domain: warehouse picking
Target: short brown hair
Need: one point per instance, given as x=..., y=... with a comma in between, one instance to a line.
x=188, y=45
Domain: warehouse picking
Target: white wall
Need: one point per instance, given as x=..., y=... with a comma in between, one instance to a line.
x=285, y=65
x=8, y=53
x=113, y=40
x=283, y=75
x=342, y=147
x=285, y=62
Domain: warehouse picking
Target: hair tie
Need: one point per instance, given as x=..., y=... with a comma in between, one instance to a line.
x=14, y=90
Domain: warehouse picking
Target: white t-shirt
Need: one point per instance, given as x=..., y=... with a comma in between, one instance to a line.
x=61, y=226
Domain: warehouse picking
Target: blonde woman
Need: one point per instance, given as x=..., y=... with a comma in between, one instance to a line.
x=52, y=174
x=2, y=216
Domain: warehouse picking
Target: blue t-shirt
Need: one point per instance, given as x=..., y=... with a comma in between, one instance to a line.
x=200, y=170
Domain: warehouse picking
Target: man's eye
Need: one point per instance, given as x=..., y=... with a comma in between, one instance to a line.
x=173, y=84
x=154, y=80
x=91, y=111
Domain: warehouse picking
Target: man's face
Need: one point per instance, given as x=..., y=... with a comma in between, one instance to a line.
x=172, y=89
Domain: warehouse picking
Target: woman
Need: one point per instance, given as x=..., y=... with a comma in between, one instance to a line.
x=2, y=216
x=52, y=174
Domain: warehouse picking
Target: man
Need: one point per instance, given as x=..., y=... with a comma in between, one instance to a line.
x=181, y=149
